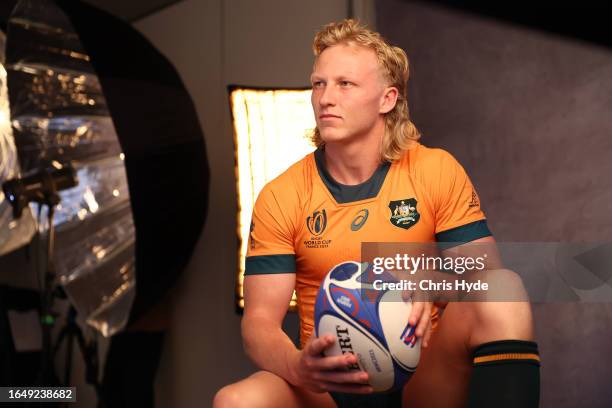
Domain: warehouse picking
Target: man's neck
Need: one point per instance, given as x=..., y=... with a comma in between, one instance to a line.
x=353, y=163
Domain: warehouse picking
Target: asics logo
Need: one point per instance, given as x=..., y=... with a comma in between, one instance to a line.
x=359, y=220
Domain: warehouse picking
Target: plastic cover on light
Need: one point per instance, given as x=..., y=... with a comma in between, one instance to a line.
x=59, y=114
x=13, y=233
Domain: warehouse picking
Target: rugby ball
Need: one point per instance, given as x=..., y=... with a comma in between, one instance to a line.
x=372, y=324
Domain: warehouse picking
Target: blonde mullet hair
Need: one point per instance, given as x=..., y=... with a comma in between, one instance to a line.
x=400, y=132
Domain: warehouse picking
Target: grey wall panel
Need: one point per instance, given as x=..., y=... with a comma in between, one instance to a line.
x=204, y=327
x=528, y=115
x=269, y=42
x=213, y=44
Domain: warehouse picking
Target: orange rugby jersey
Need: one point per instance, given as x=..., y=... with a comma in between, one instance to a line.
x=305, y=223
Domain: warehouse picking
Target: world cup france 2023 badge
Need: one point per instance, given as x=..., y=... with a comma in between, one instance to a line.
x=316, y=224
x=404, y=213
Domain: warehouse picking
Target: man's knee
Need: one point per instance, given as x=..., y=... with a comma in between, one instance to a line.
x=500, y=320
x=506, y=313
x=239, y=395
x=262, y=389
x=229, y=397
x=505, y=285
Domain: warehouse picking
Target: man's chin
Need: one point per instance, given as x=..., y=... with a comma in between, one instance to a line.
x=333, y=137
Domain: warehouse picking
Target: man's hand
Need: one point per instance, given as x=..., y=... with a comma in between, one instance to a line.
x=420, y=316
x=313, y=371
x=423, y=303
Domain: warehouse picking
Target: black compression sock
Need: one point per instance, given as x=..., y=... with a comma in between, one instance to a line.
x=506, y=374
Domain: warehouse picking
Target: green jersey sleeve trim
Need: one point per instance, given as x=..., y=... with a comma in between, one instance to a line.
x=268, y=264
x=464, y=233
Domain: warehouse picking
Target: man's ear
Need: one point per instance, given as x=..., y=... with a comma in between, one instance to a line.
x=388, y=99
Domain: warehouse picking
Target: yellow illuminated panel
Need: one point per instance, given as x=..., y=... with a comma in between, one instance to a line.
x=271, y=128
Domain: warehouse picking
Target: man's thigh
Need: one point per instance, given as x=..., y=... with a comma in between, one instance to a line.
x=264, y=389
x=442, y=378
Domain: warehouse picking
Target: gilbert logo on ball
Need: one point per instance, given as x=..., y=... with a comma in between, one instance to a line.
x=375, y=328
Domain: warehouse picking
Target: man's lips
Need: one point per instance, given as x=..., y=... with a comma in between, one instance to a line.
x=328, y=116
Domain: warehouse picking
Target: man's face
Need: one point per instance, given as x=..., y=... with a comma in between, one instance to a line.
x=347, y=93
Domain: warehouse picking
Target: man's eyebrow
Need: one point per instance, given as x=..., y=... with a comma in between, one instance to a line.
x=343, y=77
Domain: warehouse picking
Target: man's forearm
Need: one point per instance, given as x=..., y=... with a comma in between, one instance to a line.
x=269, y=347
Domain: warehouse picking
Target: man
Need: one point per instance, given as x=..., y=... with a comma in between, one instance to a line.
x=367, y=169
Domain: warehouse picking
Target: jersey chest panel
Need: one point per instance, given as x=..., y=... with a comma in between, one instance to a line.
x=331, y=233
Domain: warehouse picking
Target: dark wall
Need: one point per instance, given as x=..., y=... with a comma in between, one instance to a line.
x=528, y=114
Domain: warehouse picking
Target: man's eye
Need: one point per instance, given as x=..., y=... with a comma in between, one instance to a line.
x=345, y=83
x=317, y=84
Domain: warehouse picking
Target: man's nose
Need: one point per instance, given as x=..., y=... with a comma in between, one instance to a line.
x=328, y=96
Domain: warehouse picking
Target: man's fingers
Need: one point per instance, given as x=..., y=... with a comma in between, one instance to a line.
x=343, y=377
x=316, y=347
x=335, y=362
x=424, y=319
x=415, y=313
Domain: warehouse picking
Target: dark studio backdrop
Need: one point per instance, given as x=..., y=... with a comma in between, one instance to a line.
x=527, y=113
